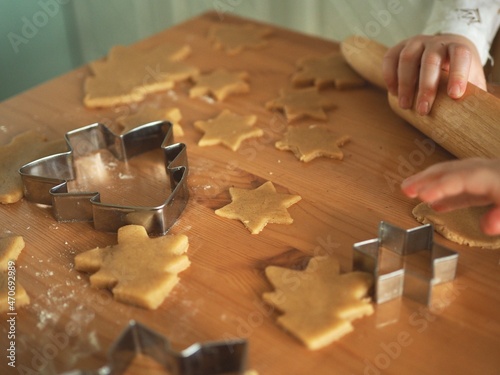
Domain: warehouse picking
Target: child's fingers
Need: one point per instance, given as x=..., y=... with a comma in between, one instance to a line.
x=408, y=72
x=490, y=222
x=390, y=68
x=460, y=57
x=459, y=201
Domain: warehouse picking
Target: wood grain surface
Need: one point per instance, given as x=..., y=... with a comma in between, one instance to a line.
x=70, y=325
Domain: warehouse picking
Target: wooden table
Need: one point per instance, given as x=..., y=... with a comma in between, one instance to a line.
x=219, y=296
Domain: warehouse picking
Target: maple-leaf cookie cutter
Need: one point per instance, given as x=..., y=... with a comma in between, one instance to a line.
x=400, y=278
x=211, y=358
x=46, y=180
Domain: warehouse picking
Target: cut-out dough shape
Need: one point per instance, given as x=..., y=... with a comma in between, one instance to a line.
x=148, y=114
x=325, y=71
x=229, y=129
x=220, y=83
x=235, y=38
x=320, y=304
x=139, y=270
x=23, y=148
x=256, y=208
x=129, y=74
x=301, y=103
x=460, y=226
x=10, y=248
x=310, y=142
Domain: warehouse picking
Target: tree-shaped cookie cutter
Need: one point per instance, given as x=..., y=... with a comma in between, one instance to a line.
x=399, y=278
x=211, y=358
x=46, y=180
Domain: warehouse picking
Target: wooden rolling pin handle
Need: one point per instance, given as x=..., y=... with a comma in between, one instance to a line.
x=466, y=127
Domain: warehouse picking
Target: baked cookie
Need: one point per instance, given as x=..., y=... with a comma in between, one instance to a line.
x=148, y=114
x=220, y=84
x=12, y=293
x=235, y=38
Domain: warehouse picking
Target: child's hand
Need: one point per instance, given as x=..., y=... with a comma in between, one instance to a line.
x=461, y=183
x=420, y=61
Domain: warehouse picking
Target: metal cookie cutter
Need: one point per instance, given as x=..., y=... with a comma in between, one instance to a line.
x=212, y=358
x=388, y=259
x=45, y=180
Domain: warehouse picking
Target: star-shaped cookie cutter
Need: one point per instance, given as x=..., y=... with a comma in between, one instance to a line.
x=211, y=358
x=46, y=180
x=401, y=278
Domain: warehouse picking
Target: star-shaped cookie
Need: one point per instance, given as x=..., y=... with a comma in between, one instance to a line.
x=301, y=103
x=310, y=142
x=325, y=71
x=148, y=114
x=129, y=74
x=220, y=83
x=319, y=306
x=229, y=129
x=234, y=38
x=139, y=270
x=256, y=208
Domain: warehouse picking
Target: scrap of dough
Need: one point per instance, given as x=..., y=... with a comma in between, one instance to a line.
x=229, y=129
x=148, y=114
x=24, y=148
x=327, y=70
x=301, y=103
x=256, y=208
x=460, y=226
x=320, y=304
x=310, y=142
x=10, y=248
x=139, y=270
x=129, y=74
x=220, y=83
x=234, y=38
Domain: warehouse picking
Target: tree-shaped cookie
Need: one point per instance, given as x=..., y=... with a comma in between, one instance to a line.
x=234, y=38
x=320, y=304
x=301, y=103
x=220, y=83
x=12, y=293
x=139, y=270
x=325, y=71
x=256, y=208
x=228, y=129
x=129, y=74
x=148, y=114
x=310, y=142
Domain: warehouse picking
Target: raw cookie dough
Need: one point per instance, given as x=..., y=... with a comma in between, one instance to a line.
x=10, y=248
x=148, y=114
x=220, y=83
x=24, y=148
x=320, y=304
x=234, y=38
x=229, y=129
x=129, y=74
x=139, y=270
x=310, y=142
x=299, y=103
x=325, y=71
x=256, y=208
x=460, y=226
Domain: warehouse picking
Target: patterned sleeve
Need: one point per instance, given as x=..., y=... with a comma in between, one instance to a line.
x=477, y=20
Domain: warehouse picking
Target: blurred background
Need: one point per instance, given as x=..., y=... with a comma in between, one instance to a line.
x=41, y=39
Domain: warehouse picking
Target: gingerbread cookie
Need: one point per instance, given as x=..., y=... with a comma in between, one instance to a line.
x=129, y=74
x=24, y=148
x=301, y=103
x=234, y=38
x=331, y=70
x=220, y=84
x=460, y=226
x=310, y=142
x=319, y=306
x=256, y=208
x=148, y=114
x=228, y=129
x=139, y=270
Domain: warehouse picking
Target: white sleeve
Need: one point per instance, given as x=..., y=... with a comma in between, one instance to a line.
x=477, y=20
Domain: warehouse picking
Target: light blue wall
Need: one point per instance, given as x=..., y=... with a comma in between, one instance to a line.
x=41, y=39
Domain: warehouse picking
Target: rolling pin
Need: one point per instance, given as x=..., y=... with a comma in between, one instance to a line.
x=466, y=127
